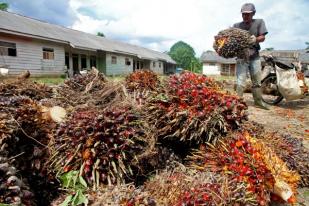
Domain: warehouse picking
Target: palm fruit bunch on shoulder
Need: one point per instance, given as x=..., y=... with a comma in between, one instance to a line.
x=194, y=111
x=102, y=145
x=237, y=158
x=230, y=43
x=25, y=87
x=13, y=190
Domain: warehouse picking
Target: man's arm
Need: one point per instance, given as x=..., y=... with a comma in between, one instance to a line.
x=260, y=38
x=262, y=32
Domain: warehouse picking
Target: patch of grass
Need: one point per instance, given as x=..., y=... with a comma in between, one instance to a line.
x=117, y=78
x=306, y=194
x=48, y=80
x=221, y=78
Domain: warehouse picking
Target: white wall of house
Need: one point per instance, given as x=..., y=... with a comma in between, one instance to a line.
x=157, y=66
x=120, y=67
x=211, y=68
x=30, y=57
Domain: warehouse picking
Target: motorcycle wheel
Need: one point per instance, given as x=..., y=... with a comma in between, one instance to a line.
x=270, y=92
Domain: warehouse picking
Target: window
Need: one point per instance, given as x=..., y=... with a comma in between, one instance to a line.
x=225, y=69
x=212, y=64
x=127, y=60
x=7, y=49
x=159, y=64
x=153, y=64
x=93, y=61
x=48, y=53
x=84, y=61
x=114, y=60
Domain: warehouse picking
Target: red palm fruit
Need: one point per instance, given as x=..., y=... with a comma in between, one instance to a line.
x=86, y=154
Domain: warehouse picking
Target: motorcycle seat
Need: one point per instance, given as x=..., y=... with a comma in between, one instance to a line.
x=284, y=64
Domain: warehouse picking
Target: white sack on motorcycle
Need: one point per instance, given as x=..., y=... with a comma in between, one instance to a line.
x=287, y=82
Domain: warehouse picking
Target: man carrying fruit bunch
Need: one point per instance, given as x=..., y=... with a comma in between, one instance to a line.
x=251, y=61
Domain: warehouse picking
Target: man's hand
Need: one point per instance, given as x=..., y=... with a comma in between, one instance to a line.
x=252, y=39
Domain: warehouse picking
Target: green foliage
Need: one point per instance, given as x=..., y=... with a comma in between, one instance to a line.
x=100, y=34
x=63, y=76
x=76, y=184
x=184, y=55
x=4, y=6
x=196, y=65
x=269, y=49
x=49, y=80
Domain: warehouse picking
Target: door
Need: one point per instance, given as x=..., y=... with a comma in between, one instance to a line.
x=75, y=63
x=67, y=60
x=134, y=65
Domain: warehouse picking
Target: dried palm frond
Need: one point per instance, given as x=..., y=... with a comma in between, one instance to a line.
x=177, y=186
x=25, y=87
x=93, y=89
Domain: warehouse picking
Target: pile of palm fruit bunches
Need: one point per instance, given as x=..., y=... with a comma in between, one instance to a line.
x=145, y=140
x=232, y=42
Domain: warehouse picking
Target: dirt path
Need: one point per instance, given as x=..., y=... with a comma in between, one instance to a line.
x=288, y=117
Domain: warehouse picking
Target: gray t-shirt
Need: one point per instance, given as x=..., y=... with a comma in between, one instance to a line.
x=256, y=28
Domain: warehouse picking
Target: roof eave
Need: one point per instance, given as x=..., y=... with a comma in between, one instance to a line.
x=32, y=36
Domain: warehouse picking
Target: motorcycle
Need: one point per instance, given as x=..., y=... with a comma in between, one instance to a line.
x=270, y=85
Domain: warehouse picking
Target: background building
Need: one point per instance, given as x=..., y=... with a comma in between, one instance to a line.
x=213, y=64
x=48, y=49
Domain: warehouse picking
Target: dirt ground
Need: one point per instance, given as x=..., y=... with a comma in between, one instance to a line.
x=287, y=117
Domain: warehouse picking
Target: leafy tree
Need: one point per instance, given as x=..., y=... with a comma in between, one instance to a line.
x=307, y=43
x=269, y=49
x=100, y=34
x=4, y=6
x=196, y=65
x=184, y=55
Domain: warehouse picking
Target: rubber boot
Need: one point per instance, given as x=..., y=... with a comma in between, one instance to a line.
x=240, y=91
x=257, y=96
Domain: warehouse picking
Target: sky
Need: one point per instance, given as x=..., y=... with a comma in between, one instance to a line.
x=158, y=24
